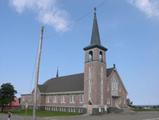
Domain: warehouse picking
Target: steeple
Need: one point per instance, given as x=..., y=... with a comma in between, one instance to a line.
x=95, y=37
x=57, y=73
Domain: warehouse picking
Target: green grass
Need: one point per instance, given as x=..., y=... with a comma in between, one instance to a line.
x=41, y=113
x=142, y=110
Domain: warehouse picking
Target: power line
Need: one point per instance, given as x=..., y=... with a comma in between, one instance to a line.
x=98, y=6
x=101, y=4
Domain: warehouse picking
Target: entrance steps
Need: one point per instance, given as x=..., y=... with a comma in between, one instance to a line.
x=120, y=110
x=114, y=110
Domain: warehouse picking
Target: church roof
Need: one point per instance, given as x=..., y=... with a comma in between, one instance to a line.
x=63, y=84
x=95, y=37
x=66, y=83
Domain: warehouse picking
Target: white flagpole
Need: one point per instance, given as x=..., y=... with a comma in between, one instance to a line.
x=38, y=59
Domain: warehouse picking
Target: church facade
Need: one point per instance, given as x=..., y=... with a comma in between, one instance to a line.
x=93, y=91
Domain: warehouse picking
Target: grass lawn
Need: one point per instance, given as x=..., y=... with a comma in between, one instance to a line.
x=41, y=113
x=140, y=110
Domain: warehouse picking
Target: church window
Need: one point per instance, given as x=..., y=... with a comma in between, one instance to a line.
x=47, y=99
x=100, y=56
x=81, y=98
x=54, y=99
x=72, y=99
x=114, y=86
x=90, y=57
x=89, y=102
x=62, y=99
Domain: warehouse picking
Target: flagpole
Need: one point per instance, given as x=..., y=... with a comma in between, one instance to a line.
x=37, y=69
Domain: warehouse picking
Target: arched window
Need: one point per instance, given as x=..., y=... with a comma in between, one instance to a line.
x=90, y=56
x=114, y=83
x=89, y=102
x=114, y=86
x=100, y=56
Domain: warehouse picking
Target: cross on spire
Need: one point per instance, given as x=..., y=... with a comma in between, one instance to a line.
x=95, y=10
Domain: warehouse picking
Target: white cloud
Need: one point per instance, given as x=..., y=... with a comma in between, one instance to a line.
x=47, y=12
x=149, y=7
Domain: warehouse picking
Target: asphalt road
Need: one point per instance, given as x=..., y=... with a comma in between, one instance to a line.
x=121, y=116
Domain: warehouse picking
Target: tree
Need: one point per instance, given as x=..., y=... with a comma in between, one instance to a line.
x=7, y=94
x=129, y=102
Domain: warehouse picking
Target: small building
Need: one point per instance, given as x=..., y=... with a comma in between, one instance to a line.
x=15, y=103
x=92, y=91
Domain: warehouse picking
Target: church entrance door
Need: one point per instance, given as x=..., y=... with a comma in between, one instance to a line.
x=115, y=102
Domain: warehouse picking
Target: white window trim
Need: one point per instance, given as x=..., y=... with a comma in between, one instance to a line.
x=55, y=99
x=72, y=99
x=62, y=99
x=115, y=84
x=81, y=98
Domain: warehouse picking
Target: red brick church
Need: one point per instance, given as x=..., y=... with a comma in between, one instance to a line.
x=95, y=90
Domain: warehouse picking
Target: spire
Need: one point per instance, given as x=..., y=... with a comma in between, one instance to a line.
x=95, y=38
x=57, y=73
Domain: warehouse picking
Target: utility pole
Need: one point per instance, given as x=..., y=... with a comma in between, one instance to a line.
x=37, y=69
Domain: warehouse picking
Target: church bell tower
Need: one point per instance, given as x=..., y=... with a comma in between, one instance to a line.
x=95, y=69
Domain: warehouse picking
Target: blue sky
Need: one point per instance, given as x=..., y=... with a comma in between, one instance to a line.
x=128, y=28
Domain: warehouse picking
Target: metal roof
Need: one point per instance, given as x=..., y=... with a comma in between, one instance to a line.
x=68, y=83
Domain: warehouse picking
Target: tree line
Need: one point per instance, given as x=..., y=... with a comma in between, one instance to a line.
x=7, y=94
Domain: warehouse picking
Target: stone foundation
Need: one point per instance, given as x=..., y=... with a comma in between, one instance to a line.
x=96, y=110
x=80, y=110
